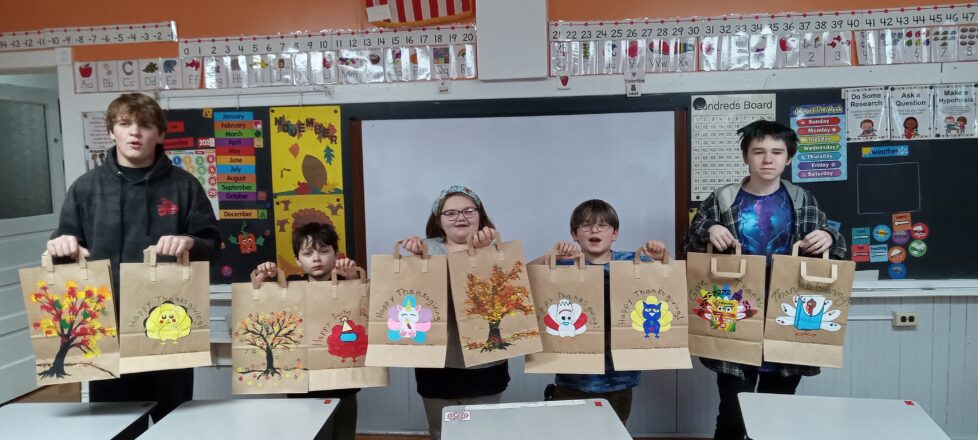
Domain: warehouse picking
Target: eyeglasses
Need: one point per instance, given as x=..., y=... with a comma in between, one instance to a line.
x=599, y=227
x=452, y=214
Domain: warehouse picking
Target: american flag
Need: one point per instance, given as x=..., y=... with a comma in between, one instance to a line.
x=396, y=13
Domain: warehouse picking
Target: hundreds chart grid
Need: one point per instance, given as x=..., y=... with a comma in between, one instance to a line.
x=716, y=158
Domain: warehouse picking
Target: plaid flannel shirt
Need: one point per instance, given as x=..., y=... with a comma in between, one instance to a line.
x=719, y=209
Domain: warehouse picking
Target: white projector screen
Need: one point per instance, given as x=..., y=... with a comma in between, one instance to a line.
x=529, y=171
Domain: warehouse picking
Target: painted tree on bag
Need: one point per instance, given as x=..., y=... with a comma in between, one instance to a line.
x=495, y=299
x=74, y=318
x=269, y=332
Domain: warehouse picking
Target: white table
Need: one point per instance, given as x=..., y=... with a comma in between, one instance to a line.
x=74, y=420
x=588, y=419
x=780, y=416
x=244, y=419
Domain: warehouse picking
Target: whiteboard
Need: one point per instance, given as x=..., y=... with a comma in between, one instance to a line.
x=530, y=173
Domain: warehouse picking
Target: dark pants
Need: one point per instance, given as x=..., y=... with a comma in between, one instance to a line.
x=621, y=401
x=168, y=388
x=344, y=426
x=730, y=423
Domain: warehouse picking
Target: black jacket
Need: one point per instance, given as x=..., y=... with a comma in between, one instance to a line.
x=116, y=219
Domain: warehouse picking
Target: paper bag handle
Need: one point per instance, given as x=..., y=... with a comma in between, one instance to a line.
x=497, y=240
x=819, y=280
x=713, y=263
x=397, y=249
x=734, y=275
x=279, y=279
x=334, y=281
x=552, y=259
x=641, y=251
x=795, y=248
x=552, y=264
x=48, y=263
x=361, y=274
x=397, y=257
x=636, y=270
x=737, y=250
x=149, y=257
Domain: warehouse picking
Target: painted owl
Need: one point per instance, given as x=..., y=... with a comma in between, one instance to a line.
x=651, y=316
x=167, y=322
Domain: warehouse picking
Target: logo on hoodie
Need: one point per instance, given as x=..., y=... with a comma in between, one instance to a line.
x=166, y=207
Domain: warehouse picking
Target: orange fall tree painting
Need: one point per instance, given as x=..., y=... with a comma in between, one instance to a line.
x=270, y=332
x=74, y=319
x=495, y=299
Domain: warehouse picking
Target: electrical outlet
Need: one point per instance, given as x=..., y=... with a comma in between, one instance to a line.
x=905, y=319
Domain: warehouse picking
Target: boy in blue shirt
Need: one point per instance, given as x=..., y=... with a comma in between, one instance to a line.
x=766, y=215
x=594, y=226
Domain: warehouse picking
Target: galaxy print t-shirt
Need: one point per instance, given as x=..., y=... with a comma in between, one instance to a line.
x=766, y=223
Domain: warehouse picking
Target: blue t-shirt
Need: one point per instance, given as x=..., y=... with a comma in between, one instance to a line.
x=766, y=223
x=611, y=380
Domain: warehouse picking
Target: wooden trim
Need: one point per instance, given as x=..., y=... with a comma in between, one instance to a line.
x=354, y=191
x=682, y=178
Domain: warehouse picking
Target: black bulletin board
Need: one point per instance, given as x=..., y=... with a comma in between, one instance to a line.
x=245, y=242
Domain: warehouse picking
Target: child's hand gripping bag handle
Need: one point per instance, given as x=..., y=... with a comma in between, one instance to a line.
x=834, y=275
x=149, y=258
x=552, y=264
x=638, y=260
x=497, y=239
x=48, y=263
x=713, y=263
x=279, y=279
x=335, y=281
x=397, y=260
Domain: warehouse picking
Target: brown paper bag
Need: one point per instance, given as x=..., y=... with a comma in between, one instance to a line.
x=164, y=313
x=649, y=320
x=809, y=309
x=268, y=341
x=72, y=320
x=726, y=300
x=337, y=329
x=570, y=317
x=408, y=310
x=493, y=305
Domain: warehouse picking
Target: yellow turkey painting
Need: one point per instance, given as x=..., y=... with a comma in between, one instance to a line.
x=168, y=322
x=651, y=316
x=295, y=211
x=306, y=150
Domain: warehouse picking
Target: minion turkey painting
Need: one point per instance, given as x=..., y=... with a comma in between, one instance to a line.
x=307, y=175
